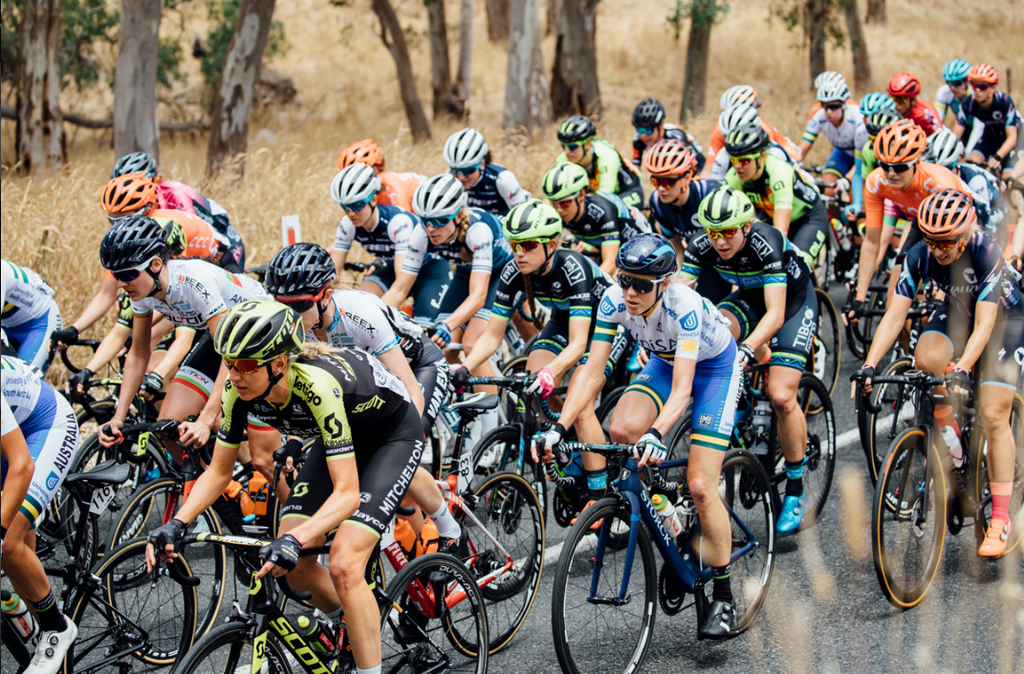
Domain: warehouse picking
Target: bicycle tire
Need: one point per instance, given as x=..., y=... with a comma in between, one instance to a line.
x=204, y=658
x=573, y=576
x=510, y=510
x=884, y=394
x=821, y=445
x=981, y=481
x=830, y=337
x=122, y=578
x=506, y=443
x=906, y=578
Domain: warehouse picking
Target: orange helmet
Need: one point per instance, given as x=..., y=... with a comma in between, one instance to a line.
x=904, y=84
x=901, y=142
x=669, y=157
x=128, y=193
x=946, y=215
x=364, y=152
x=983, y=73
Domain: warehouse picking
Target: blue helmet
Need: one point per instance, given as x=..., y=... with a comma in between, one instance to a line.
x=875, y=101
x=648, y=255
x=955, y=70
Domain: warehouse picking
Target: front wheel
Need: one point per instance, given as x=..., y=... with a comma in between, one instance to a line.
x=827, y=352
x=231, y=648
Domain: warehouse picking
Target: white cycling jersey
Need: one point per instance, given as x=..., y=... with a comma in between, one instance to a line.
x=26, y=295
x=363, y=320
x=681, y=325
x=198, y=291
x=484, y=240
x=844, y=136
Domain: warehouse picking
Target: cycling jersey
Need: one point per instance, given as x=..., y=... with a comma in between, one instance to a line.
x=30, y=314
x=605, y=218
x=721, y=162
x=610, y=173
x=363, y=320
x=175, y=196
x=925, y=116
x=999, y=114
x=929, y=179
x=397, y=189
x=780, y=185
x=717, y=144
x=485, y=245
x=945, y=100
x=988, y=201
x=496, y=191
x=388, y=236
x=844, y=136
x=49, y=426
x=681, y=219
x=672, y=132
x=572, y=288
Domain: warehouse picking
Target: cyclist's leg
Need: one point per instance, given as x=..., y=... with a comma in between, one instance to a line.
x=191, y=387
x=432, y=372
x=379, y=281
x=742, y=317
x=640, y=405
x=838, y=165
x=936, y=347
x=809, y=232
x=999, y=371
x=430, y=290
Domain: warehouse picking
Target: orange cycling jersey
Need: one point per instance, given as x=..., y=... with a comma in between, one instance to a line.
x=930, y=178
x=200, y=240
x=398, y=189
x=718, y=141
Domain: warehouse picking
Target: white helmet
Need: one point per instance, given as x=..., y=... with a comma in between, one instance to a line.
x=439, y=197
x=944, y=148
x=356, y=182
x=737, y=116
x=833, y=89
x=828, y=76
x=465, y=149
x=741, y=93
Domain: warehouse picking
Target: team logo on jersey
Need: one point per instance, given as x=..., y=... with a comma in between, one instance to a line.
x=52, y=480
x=689, y=346
x=761, y=245
x=970, y=276
x=607, y=306
x=509, y=272
x=690, y=321
x=706, y=420
x=573, y=271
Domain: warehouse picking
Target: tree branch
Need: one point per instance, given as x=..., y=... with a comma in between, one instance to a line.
x=8, y=112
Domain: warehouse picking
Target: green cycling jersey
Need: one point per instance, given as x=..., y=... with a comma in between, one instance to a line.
x=780, y=186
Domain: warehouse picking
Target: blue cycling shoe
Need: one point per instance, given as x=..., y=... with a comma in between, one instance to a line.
x=792, y=514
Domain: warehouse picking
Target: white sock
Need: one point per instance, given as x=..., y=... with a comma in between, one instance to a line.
x=372, y=670
x=447, y=527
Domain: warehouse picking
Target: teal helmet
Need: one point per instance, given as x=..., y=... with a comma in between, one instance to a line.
x=955, y=70
x=875, y=101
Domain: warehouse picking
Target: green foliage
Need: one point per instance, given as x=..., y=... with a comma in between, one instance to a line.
x=793, y=14
x=702, y=12
x=168, y=62
x=223, y=15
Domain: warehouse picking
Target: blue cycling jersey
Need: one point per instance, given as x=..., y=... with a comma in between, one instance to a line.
x=496, y=191
x=682, y=220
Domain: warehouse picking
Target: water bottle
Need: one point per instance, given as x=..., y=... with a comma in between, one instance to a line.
x=956, y=450
x=316, y=633
x=668, y=515
x=21, y=618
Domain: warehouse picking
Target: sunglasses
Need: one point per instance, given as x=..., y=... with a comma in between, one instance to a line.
x=243, y=365
x=957, y=83
x=743, y=161
x=571, y=147
x=129, y=275
x=304, y=304
x=726, y=233
x=833, y=107
x=357, y=206
x=438, y=223
x=978, y=86
x=901, y=100
x=467, y=171
x=527, y=246
x=642, y=286
x=669, y=182
x=942, y=245
x=898, y=167
x=567, y=202
x=646, y=131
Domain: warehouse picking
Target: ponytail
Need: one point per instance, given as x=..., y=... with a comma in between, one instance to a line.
x=465, y=253
x=534, y=314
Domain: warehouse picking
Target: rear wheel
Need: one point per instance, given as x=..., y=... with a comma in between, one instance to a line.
x=980, y=482
x=827, y=352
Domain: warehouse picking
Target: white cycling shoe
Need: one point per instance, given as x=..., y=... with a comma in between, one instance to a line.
x=51, y=649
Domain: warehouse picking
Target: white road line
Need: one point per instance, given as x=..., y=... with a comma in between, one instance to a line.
x=551, y=554
x=847, y=438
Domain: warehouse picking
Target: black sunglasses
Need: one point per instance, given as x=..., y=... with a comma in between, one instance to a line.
x=957, y=83
x=641, y=285
x=832, y=107
x=898, y=167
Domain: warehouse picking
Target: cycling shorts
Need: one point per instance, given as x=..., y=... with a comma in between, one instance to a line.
x=459, y=291
x=791, y=344
x=51, y=434
x=384, y=476
x=433, y=373
x=428, y=292
x=988, y=146
x=839, y=162
x=31, y=339
x=198, y=371
x=1002, y=360
x=555, y=337
x=809, y=232
x=716, y=389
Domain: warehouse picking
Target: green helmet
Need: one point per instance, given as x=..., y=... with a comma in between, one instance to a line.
x=564, y=180
x=725, y=207
x=259, y=329
x=532, y=220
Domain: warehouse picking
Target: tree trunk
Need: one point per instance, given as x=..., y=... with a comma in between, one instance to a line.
x=497, y=19
x=445, y=102
x=40, y=130
x=574, y=85
x=527, y=105
x=463, y=83
x=389, y=26
x=232, y=106
x=815, y=21
x=554, y=8
x=859, y=45
x=135, y=123
x=876, y=12
x=698, y=49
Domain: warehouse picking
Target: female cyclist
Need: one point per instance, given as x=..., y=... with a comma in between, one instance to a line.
x=30, y=318
x=951, y=94
x=651, y=128
x=606, y=169
x=396, y=188
x=490, y=187
x=996, y=142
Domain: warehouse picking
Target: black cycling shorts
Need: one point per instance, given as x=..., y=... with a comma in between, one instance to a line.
x=809, y=232
x=989, y=145
x=791, y=344
x=200, y=367
x=432, y=371
x=385, y=473
x=1001, y=361
x=914, y=236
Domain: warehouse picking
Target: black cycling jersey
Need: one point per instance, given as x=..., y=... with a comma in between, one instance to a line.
x=572, y=289
x=672, y=132
x=682, y=220
x=999, y=115
x=605, y=217
x=496, y=191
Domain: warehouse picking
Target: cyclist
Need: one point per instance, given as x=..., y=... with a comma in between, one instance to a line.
x=674, y=203
x=600, y=221
x=980, y=324
x=905, y=90
x=774, y=311
x=999, y=143
x=396, y=188
x=30, y=315
x=782, y=192
x=951, y=94
x=191, y=294
x=606, y=169
x=368, y=445
x=693, y=354
x=829, y=76
x=874, y=121
x=571, y=285
x=39, y=443
x=383, y=231
x=490, y=187
x=945, y=149
x=650, y=125
x=733, y=118
x=843, y=124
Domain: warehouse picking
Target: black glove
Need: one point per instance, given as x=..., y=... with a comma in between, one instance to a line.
x=79, y=379
x=152, y=383
x=861, y=375
x=746, y=354
x=959, y=379
x=283, y=552
x=168, y=533
x=68, y=335
x=855, y=307
x=460, y=378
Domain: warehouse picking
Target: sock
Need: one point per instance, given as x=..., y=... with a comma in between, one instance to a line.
x=794, y=478
x=371, y=670
x=597, y=481
x=334, y=616
x=50, y=618
x=723, y=588
x=1001, y=500
x=945, y=417
x=447, y=527
x=488, y=421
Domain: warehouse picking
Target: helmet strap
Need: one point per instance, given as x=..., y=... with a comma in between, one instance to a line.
x=547, y=259
x=274, y=378
x=321, y=310
x=157, y=286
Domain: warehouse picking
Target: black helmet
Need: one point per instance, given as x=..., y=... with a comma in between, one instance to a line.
x=132, y=241
x=648, y=114
x=746, y=140
x=648, y=255
x=136, y=162
x=576, y=129
x=880, y=119
x=299, y=269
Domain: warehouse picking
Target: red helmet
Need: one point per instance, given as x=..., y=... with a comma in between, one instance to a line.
x=983, y=73
x=364, y=152
x=946, y=215
x=904, y=84
x=900, y=142
x=669, y=157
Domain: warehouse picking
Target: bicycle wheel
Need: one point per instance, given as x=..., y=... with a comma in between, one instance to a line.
x=980, y=482
x=908, y=519
x=882, y=427
x=600, y=635
x=229, y=648
x=510, y=512
x=499, y=451
x=820, y=463
x=433, y=619
x=827, y=354
x=140, y=621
